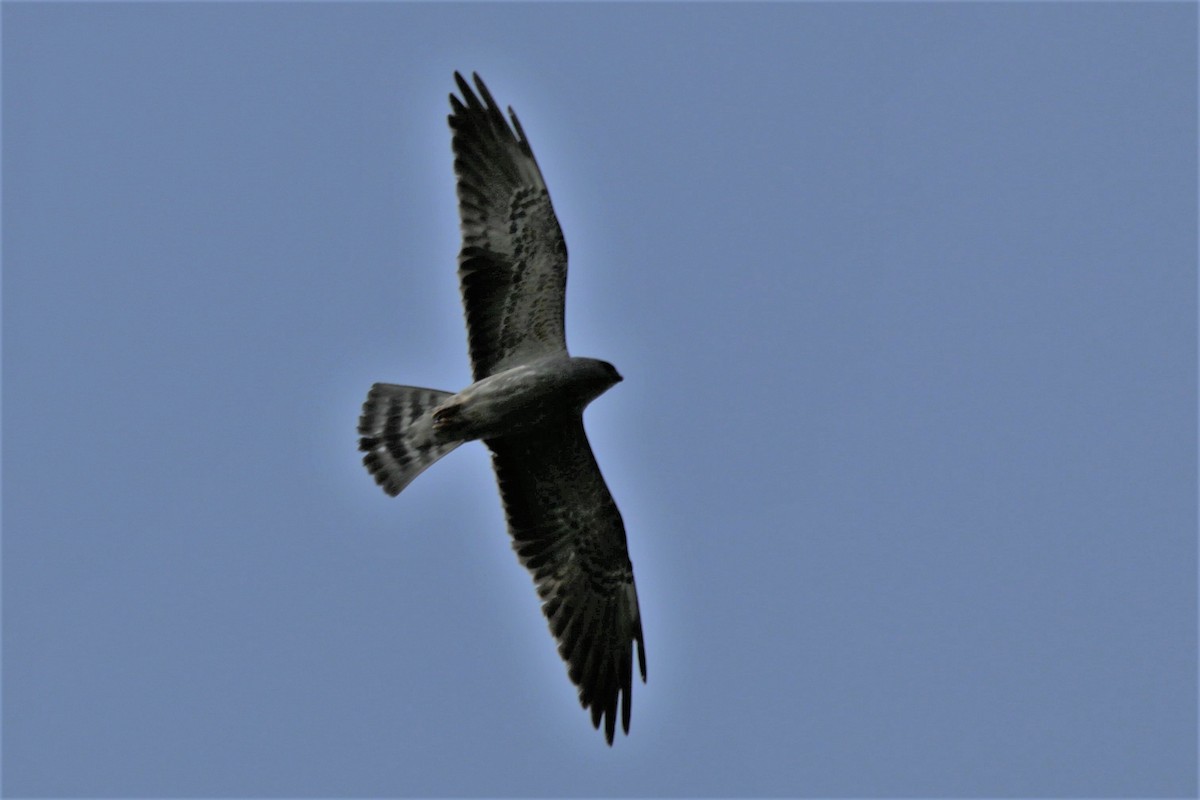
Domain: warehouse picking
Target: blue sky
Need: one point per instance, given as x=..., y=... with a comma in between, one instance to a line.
x=905, y=300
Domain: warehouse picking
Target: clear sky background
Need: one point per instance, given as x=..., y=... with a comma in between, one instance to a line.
x=905, y=301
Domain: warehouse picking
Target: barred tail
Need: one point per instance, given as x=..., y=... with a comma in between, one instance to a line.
x=397, y=434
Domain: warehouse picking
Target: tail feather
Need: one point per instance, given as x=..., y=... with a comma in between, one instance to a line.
x=397, y=434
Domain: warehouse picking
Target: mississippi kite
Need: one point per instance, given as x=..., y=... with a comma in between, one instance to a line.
x=526, y=405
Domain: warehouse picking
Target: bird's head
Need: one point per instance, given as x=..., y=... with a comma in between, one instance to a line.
x=611, y=373
x=594, y=377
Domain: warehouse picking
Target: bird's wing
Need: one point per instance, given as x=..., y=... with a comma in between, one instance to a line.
x=512, y=268
x=568, y=532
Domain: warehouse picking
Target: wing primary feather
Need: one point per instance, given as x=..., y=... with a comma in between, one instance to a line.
x=641, y=648
x=517, y=127
x=610, y=721
x=626, y=690
x=468, y=95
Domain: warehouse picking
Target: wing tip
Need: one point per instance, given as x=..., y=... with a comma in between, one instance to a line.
x=463, y=86
x=600, y=696
x=641, y=648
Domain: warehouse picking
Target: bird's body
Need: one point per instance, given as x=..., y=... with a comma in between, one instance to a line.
x=524, y=397
x=526, y=404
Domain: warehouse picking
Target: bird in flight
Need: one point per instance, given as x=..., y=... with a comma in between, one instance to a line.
x=526, y=404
